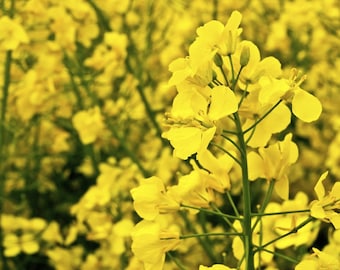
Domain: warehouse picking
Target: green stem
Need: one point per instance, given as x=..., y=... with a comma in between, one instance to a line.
x=207, y=248
x=247, y=229
x=127, y=150
x=209, y=234
x=176, y=261
x=3, y=148
x=281, y=213
x=294, y=230
x=210, y=212
x=227, y=152
x=265, y=202
x=231, y=201
x=278, y=254
x=224, y=76
x=226, y=219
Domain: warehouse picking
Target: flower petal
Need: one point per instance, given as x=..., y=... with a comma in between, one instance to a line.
x=306, y=106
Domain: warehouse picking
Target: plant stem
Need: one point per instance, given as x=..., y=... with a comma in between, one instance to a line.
x=3, y=147
x=247, y=229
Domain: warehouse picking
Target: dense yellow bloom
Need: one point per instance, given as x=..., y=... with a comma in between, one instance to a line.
x=273, y=163
x=326, y=207
x=150, y=243
x=12, y=34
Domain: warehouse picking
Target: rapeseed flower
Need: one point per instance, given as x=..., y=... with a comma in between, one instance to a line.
x=151, y=199
x=12, y=34
x=326, y=207
x=150, y=243
x=273, y=162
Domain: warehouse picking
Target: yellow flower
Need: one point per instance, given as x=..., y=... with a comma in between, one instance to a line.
x=319, y=260
x=194, y=115
x=273, y=163
x=15, y=244
x=256, y=68
x=305, y=106
x=192, y=189
x=275, y=122
x=151, y=199
x=12, y=34
x=221, y=38
x=89, y=124
x=326, y=207
x=219, y=168
x=150, y=243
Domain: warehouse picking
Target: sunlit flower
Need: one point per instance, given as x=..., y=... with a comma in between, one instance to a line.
x=150, y=243
x=151, y=199
x=326, y=207
x=272, y=163
x=193, y=118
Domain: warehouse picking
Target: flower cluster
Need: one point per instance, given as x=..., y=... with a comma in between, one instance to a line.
x=110, y=161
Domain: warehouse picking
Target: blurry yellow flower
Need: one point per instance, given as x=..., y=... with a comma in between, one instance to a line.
x=63, y=27
x=12, y=34
x=120, y=233
x=326, y=207
x=151, y=199
x=89, y=124
x=319, y=260
x=52, y=233
x=273, y=163
x=150, y=243
x=15, y=244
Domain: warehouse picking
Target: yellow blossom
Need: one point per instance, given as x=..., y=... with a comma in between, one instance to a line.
x=273, y=162
x=89, y=124
x=151, y=199
x=12, y=34
x=192, y=189
x=150, y=243
x=218, y=167
x=15, y=244
x=319, y=260
x=195, y=112
x=221, y=38
x=326, y=207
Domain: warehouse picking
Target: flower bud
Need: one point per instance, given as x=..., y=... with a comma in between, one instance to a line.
x=245, y=54
x=218, y=60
